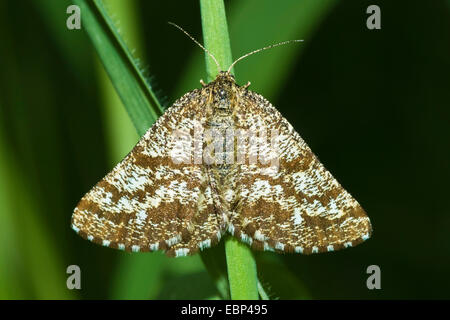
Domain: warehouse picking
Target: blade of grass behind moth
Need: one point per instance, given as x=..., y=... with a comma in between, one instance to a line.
x=129, y=83
x=241, y=265
x=279, y=281
x=135, y=92
x=215, y=262
x=138, y=276
x=248, y=34
x=120, y=132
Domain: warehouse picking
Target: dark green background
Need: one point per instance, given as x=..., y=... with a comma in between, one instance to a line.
x=373, y=105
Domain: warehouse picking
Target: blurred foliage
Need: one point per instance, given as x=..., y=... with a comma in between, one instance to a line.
x=373, y=105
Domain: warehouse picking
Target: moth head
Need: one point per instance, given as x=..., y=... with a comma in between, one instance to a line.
x=225, y=78
x=223, y=91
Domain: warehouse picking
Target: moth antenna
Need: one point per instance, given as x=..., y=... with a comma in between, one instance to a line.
x=261, y=49
x=219, y=69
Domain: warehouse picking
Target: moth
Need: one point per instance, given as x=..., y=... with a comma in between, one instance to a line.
x=154, y=201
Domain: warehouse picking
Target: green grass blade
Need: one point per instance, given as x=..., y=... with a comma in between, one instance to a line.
x=242, y=275
x=278, y=280
x=290, y=19
x=262, y=292
x=215, y=262
x=121, y=137
x=241, y=270
x=121, y=134
x=135, y=92
x=215, y=36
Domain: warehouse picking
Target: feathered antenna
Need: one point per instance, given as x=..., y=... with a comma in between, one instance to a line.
x=198, y=43
x=258, y=50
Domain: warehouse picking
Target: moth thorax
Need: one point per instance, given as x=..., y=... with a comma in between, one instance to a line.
x=223, y=96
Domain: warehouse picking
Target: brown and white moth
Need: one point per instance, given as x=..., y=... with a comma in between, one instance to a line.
x=154, y=201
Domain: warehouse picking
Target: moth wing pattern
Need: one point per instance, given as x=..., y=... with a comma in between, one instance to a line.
x=298, y=208
x=148, y=202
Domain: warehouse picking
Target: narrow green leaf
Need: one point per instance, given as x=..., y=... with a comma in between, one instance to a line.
x=215, y=36
x=121, y=134
x=138, y=276
x=215, y=262
x=143, y=108
x=241, y=264
x=241, y=270
x=135, y=92
x=268, y=71
x=278, y=280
